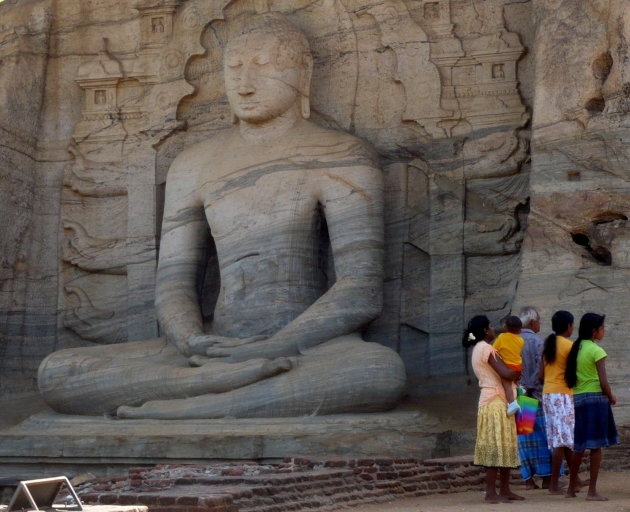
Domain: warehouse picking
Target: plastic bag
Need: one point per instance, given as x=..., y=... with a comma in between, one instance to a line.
x=526, y=419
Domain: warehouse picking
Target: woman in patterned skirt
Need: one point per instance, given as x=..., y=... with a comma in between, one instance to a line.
x=557, y=398
x=592, y=398
x=495, y=448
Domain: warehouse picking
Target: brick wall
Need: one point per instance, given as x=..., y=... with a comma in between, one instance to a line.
x=298, y=483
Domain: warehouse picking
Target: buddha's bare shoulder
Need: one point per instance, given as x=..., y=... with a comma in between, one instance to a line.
x=201, y=152
x=339, y=145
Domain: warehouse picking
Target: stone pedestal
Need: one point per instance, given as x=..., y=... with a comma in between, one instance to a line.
x=50, y=443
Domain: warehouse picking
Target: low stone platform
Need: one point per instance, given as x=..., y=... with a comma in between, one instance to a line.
x=298, y=483
x=48, y=443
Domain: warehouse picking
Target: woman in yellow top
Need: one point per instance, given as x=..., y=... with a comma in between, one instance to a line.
x=592, y=398
x=557, y=398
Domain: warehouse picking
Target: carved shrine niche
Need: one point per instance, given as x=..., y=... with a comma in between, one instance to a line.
x=109, y=243
x=156, y=24
x=414, y=69
x=99, y=82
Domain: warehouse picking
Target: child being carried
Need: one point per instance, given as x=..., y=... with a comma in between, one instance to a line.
x=509, y=345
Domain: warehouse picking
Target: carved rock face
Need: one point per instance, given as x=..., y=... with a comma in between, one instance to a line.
x=261, y=82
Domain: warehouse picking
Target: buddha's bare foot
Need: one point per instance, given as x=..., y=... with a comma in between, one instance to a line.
x=127, y=412
x=196, y=361
x=216, y=378
x=277, y=365
x=596, y=497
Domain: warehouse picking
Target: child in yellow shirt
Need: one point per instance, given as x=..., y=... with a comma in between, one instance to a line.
x=509, y=345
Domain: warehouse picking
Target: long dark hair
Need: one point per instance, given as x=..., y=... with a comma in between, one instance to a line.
x=477, y=327
x=560, y=322
x=588, y=323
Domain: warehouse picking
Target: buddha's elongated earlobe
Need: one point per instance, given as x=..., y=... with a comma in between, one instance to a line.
x=305, y=86
x=305, y=106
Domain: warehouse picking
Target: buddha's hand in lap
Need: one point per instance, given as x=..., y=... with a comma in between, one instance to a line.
x=198, y=344
x=252, y=348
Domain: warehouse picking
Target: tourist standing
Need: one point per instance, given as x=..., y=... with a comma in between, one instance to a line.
x=533, y=451
x=592, y=398
x=557, y=398
x=495, y=447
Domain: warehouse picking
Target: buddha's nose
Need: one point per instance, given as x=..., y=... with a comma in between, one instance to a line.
x=245, y=90
x=247, y=81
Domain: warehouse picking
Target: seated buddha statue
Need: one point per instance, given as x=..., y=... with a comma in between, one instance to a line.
x=285, y=335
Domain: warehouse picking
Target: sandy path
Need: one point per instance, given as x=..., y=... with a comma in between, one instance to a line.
x=616, y=486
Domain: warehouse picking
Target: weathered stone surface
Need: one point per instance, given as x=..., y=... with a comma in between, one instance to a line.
x=27, y=291
x=575, y=249
x=441, y=89
x=294, y=213
x=432, y=85
x=57, y=440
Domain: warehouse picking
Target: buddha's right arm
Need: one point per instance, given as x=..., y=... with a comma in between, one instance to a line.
x=183, y=243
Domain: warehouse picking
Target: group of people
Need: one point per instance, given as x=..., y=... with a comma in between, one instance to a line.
x=567, y=378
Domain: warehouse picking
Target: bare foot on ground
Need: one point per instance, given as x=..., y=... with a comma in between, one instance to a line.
x=531, y=484
x=596, y=497
x=612, y=484
x=496, y=498
x=510, y=496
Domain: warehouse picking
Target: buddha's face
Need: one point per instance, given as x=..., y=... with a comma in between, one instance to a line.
x=263, y=77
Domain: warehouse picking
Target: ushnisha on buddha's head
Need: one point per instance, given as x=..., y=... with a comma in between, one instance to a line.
x=268, y=69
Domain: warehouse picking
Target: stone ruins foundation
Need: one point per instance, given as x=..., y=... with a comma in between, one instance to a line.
x=420, y=161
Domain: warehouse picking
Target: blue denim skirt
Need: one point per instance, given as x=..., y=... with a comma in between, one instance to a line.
x=594, y=422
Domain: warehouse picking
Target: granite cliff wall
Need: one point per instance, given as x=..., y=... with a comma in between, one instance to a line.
x=98, y=97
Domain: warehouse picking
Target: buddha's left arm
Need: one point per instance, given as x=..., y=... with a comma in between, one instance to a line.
x=351, y=197
x=352, y=203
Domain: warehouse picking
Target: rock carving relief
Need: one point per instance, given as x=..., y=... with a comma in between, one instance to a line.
x=87, y=177
x=109, y=256
x=495, y=155
x=415, y=86
x=414, y=70
x=418, y=82
x=487, y=88
x=110, y=236
x=156, y=24
x=89, y=322
x=496, y=212
x=98, y=80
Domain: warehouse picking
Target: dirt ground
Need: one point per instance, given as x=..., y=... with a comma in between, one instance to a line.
x=613, y=485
